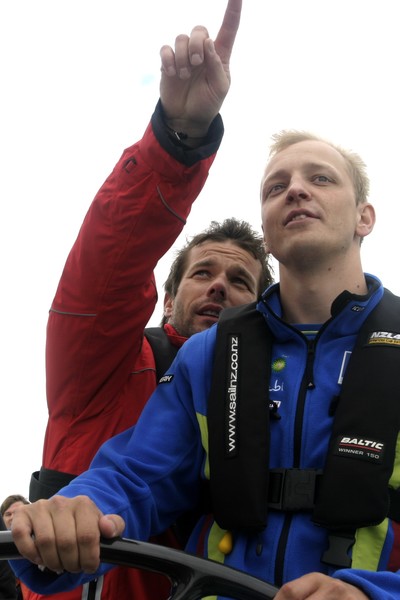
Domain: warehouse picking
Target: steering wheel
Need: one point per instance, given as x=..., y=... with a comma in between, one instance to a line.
x=191, y=577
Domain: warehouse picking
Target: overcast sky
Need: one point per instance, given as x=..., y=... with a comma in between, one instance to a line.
x=79, y=82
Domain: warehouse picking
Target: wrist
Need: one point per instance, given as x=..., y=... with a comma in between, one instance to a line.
x=190, y=137
x=192, y=128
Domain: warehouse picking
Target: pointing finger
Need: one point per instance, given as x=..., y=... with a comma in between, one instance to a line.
x=229, y=28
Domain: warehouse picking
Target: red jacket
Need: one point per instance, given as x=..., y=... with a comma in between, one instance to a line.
x=100, y=371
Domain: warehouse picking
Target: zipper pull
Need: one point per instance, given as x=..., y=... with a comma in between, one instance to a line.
x=310, y=364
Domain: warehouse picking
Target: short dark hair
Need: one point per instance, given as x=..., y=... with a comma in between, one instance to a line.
x=240, y=233
x=10, y=500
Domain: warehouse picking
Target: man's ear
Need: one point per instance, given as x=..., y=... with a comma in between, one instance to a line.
x=168, y=305
x=366, y=219
x=266, y=248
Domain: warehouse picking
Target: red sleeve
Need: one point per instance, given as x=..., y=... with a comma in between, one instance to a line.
x=107, y=292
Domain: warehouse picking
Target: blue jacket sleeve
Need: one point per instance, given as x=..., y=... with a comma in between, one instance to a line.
x=377, y=585
x=148, y=474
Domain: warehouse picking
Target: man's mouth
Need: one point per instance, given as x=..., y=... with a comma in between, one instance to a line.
x=210, y=312
x=298, y=216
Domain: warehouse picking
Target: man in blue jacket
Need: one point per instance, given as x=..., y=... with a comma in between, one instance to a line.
x=315, y=214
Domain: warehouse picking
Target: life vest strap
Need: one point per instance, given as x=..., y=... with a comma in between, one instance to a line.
x=293, y=489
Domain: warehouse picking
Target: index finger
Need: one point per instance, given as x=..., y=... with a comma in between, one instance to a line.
x=23, y=532
x=229, y=28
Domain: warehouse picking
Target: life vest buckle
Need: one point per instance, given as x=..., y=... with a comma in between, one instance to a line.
x=338, y=552
x=293, y=489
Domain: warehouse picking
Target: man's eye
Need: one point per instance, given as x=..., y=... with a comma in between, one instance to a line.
x=321, y=179
x=275, y=189
x=201, y=273
x=241, y=282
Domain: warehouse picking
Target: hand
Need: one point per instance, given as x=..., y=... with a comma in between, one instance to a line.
x=63, y=533
x=196, y=78
x=319, y=587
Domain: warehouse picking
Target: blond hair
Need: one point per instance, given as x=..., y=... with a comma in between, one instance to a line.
x=356, y=166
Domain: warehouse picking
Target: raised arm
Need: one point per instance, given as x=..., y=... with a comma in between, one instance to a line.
x=196, y=77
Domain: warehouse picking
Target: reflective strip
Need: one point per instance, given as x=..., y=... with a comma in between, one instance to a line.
x=369, y=543
x=394, y=481
x=203, y=425
x=72, y=314
x=85, y=591
x=394, y=559
x=213, y=553
x=368, y=547
x=92, y=590
x=214, y=537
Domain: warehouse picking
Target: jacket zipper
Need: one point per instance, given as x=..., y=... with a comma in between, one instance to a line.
x=306, y=385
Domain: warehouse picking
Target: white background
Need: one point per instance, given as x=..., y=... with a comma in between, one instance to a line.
x=79, y=81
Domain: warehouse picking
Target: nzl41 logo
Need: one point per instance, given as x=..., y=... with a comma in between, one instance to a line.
x=384, y=338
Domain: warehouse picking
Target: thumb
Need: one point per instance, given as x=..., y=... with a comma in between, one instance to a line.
x=111, y=526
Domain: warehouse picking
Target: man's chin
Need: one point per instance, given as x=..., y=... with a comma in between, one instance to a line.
x=202, y=323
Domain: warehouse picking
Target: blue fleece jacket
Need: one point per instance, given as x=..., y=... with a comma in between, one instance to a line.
x=151, y=474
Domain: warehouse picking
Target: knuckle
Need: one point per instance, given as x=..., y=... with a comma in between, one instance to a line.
x=18, y=532
x=84, y=500
x=43, y=539
x=338, y=587
x=87, y=537
x=57, y=503
x=289, y=590
x=65, y=544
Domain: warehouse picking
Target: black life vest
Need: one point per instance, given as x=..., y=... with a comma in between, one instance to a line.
x=164, y=352
x=351, y=493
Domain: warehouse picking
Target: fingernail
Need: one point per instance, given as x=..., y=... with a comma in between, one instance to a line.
x=196, y=59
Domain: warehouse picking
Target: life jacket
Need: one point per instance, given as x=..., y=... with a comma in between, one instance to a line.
x=362, y=447
x=164, y=352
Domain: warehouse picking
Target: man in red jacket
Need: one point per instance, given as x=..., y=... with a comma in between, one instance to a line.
x=100, y=368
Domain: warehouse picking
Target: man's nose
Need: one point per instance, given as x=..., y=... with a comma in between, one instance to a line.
x=297, y=190
x=217, y=289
